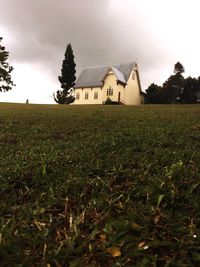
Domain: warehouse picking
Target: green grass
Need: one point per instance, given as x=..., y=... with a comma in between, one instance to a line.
x=79, y=184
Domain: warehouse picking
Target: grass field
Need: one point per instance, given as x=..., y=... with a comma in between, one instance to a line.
x=99, y=185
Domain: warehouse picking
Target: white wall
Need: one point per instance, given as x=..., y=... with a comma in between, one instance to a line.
x=132, y=90
x=90, y=99
x=111, y=81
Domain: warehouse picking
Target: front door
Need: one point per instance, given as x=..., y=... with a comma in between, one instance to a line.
x=119, y=95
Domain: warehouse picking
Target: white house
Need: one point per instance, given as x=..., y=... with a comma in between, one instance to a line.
x=121, y=83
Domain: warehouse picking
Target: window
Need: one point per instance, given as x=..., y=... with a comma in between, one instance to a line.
x=95, y=95
x=133, y=75
x=86, y=95
x=77, y=96
x=110, y=91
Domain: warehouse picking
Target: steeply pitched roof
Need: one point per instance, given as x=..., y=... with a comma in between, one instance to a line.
x=125, y=69
x=94, y=76
x=119, y=75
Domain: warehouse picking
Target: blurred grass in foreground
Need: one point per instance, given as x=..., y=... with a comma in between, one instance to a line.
x=99, y=185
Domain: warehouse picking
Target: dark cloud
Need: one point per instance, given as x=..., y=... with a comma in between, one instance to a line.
x=41, y=29
x=100, y=33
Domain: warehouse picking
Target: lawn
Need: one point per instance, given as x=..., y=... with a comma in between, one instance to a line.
x=99, y=185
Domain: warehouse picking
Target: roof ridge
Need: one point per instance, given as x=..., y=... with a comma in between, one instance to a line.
x=124, y=63
x=109, y=65
x=99, y=66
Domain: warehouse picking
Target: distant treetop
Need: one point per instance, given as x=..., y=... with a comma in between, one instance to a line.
x=178, y=68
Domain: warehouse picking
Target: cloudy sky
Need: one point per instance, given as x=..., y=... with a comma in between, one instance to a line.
x=154, y=33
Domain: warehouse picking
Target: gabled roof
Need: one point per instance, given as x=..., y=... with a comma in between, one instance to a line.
x=119, y=75
x=94, y=76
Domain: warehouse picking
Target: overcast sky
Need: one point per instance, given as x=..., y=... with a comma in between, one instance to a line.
x=155, y=33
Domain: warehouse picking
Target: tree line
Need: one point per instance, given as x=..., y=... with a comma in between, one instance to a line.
x=176, y=89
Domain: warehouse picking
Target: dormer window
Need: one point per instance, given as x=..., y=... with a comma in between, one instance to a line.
x=110, y=91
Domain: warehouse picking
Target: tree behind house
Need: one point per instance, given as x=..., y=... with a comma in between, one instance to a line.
x=170, y=91
x=153, y=94
x=67, y=78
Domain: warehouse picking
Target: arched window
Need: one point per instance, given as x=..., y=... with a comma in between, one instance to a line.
x=110, y=91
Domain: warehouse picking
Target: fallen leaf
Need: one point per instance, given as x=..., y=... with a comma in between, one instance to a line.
x=157, y=219
x=135, y=226
x=114, y=251
x=141, y=244
x=102, y=237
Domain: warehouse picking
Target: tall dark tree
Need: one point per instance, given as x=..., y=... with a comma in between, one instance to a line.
x=6, y=82
x=67, y=78
x=174, y=86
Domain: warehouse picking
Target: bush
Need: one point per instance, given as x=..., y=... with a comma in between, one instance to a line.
x=110, y=102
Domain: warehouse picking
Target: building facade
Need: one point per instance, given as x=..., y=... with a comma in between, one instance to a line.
x=120, y=83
